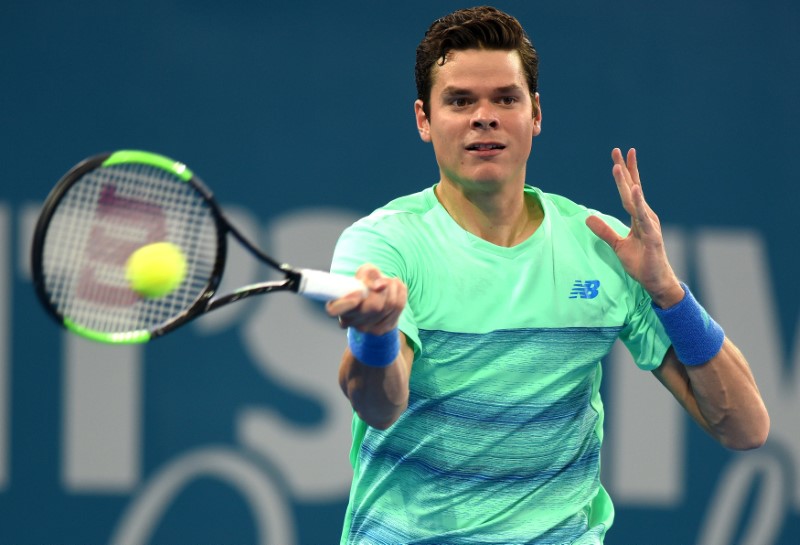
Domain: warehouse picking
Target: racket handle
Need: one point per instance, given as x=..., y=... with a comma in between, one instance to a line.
x=324, y=286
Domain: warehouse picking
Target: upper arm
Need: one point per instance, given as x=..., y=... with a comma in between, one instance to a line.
x=721, y=395
x=672, y=374
x=407, y=351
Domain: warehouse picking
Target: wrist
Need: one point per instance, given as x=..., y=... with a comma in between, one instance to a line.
x=374, y=350
x=695, y=336
x=669, y=296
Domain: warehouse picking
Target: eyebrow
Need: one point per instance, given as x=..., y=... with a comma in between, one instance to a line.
x=458, y=91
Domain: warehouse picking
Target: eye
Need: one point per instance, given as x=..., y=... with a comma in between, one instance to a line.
x=459, y=102
x=508, y=101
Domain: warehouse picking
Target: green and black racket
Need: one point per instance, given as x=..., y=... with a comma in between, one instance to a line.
x=110, y=205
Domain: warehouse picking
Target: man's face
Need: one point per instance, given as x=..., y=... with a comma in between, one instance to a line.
x=481, y=120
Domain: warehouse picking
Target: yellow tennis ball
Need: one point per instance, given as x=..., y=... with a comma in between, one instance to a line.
x=156, y=269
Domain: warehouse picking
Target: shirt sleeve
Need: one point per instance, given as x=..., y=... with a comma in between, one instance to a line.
x=643, y=335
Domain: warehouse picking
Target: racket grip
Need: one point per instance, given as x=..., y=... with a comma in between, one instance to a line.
x=324, y=286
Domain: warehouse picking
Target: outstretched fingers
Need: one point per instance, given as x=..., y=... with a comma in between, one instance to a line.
x=629, y=185
x=622, y=179
x=603, y=231
x=633, y=167
x=642, y=216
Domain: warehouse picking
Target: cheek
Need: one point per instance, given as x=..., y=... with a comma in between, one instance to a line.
x=445, y=136
x=528, y=131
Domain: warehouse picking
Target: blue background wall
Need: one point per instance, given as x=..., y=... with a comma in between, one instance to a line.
x=299, y=115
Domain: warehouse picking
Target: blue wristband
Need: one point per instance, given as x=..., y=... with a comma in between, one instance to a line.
x=695, y=335
x=374, y=350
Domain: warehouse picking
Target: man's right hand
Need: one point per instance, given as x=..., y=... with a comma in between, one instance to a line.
x=378, y=312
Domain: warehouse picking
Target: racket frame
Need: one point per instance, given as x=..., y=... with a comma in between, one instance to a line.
x=206, y=301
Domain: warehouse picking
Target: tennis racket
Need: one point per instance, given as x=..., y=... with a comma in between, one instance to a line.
x=110, y=205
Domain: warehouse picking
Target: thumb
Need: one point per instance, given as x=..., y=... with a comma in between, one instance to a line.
x=603, y=230
x=372, y=277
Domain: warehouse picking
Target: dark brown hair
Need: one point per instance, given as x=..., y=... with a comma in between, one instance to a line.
x=482, y=27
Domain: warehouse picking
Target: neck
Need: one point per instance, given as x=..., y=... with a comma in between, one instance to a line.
x=502, y=218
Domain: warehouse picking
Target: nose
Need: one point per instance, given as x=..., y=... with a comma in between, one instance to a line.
x=484, y=118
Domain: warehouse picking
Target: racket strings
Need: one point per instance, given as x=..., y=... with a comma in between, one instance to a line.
x=104, y=217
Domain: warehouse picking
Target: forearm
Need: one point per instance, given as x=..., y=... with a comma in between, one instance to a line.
x=721, y=396
x=379, y=395
x=710, y=376
x=375, y=368
x=728, y=399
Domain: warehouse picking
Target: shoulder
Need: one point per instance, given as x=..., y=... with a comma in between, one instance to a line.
x=569, y=211
x=388, y=237
x=396, y=215
x=560, y=205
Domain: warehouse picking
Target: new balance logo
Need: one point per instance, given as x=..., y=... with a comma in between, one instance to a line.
x=585, y=289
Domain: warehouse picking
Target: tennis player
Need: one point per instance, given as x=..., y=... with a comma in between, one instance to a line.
x=474, y=363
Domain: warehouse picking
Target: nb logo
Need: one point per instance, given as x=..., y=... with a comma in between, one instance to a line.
x=585, y=289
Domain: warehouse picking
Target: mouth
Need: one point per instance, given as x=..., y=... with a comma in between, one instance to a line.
x=487, y=146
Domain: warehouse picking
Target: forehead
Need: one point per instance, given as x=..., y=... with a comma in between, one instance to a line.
x=479, y=68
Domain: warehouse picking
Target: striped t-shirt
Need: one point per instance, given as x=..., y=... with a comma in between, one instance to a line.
x=500, y=443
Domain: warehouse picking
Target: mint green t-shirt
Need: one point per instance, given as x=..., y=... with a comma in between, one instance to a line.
x=500, y=443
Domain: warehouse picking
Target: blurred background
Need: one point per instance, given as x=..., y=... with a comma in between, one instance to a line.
x=299, y=115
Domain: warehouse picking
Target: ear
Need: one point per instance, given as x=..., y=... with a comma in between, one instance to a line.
x=423, y=125
x=537, y=115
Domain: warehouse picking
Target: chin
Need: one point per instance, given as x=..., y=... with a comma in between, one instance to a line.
x=488, y=178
